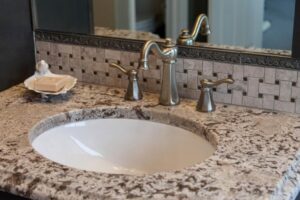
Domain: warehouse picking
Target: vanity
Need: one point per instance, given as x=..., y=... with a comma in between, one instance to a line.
x=141, y=122
x=255, y=157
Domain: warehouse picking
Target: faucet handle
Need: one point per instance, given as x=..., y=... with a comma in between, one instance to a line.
x=209, y=83
x=121, y=68
x=133, y=92
x=169, y=43
x=206, y=102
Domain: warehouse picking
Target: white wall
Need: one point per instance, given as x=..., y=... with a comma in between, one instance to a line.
x=236, y=22
x=176, y=17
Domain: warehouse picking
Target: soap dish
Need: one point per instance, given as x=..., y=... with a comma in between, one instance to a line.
x=70, y=83
x=42, y=70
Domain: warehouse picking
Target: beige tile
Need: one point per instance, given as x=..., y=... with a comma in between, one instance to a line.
x=296, y=92
x=252, y=102
x=65, y=48
x=284, y=106
x=89, y=78
x=135, y=57
x=37, y=57
x=76, y=73
x=237, y=97
x=42, y=46
x=51, y=60
x=223, y=87
x=152, y=59
x=65, y=60
x=152, y=73
x=125, y=58
x=286, y=75
x=54, y=49
x=207, y=68
x=238, y=72
x=76, y=51
x=193, y=94
x=252, y=71
x=269, y=75
x=43, y=55
x=225, y=68
x=113, y=72
x=285, y=91
x=239, y=85
x=271, y=89
x=268, y=101
x=101, y=67
x=54, y=60
x=298, y=79
x=114, y=82
x=192, y=81
x=222, y=97
x=124, y=83
x=181, y=77
x=88, y=66
x=101, y=78
x=253, y=84
x=191, y=64
x=188, y=93
x=100, y=55
x=298, y=106
x=112, y=54
x=179, y=65
x=75, y=63
x=88, y=53
x=151, y=85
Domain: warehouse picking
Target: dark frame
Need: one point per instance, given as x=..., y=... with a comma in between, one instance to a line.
x=296, y=35
x=194, y=52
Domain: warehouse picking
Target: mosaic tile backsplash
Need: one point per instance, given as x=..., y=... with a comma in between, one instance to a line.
x=259, y=87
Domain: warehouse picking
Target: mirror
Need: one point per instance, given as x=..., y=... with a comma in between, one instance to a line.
x=235, y=24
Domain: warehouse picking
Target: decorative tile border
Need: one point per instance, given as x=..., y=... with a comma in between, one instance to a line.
x=90, y=40
x=207, y=53
x=259, y=87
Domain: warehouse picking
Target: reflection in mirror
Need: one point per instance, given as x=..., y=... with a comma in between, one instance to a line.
x=238, y=24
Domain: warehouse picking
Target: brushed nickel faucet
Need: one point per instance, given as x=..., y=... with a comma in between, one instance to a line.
x=168, y=53
x=201, y=25
x=133, y=93
x=206, y=102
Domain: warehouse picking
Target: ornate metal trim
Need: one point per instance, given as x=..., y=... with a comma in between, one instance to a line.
x=206, y=53
x=90, y=40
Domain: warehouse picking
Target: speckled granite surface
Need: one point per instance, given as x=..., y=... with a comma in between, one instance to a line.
x=257, y=154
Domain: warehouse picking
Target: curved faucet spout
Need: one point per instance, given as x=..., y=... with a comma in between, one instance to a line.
x=201, y=25
x=169, y=53
x=202, y=21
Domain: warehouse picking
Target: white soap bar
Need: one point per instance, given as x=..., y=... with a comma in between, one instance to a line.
x=50, y=84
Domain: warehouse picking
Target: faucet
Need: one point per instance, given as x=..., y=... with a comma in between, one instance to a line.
x=168, y=93
x=133, y=92
x=206, y=102
x=201, y=25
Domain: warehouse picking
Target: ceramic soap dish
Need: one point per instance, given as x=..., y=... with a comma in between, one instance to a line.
x=42, y=71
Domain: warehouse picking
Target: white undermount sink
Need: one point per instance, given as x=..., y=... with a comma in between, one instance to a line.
x=122, y=146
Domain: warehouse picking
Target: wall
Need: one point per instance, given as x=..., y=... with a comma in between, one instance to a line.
x=236, y=22
x=16, y=42
x=104, y=13
x=259, y=87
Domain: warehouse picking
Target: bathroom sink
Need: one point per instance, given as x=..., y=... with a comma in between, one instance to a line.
x=122, y=146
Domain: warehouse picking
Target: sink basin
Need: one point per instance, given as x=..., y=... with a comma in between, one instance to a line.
x=122, y=146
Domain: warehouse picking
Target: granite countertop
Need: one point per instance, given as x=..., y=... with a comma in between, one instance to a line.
x=257, y=154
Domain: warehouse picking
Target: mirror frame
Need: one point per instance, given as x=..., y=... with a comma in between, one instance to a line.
x=242, y=57
x=296, y=34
